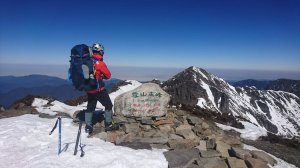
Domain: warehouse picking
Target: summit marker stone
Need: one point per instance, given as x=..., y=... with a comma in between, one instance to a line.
x=148, y=100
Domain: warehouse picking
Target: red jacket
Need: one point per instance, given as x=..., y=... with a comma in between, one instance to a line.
x=101, y=72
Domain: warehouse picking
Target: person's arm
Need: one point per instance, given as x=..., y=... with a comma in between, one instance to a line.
x=101, y=66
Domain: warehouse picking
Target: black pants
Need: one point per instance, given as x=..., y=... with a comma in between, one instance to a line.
x=102, y=97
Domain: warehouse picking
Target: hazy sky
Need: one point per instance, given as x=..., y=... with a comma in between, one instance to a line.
x=227, y=34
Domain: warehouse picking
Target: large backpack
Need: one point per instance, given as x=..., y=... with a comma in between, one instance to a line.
x=81, y=71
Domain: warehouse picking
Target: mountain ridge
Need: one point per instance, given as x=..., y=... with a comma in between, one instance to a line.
x=13, y=88
x=275, y=111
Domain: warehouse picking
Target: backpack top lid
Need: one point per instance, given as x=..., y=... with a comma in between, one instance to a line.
x=81, y=50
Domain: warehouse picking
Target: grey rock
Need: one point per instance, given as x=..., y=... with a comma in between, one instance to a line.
x=159, y=146
x=210, y=154
x=241, y=153
x=152, y=140
x=205, y=125
x=231, y=140
x=167, y=129
x=185, y=131
x=147, y=121
x=202, y=145
x=193, y=120
x=223, y=148
x=236, y=163
x=132, y=127
x=175, y=137
x=145, y=127
x=180, y=112
x=207, y=132
x=255, y=163
x=181, y=158
x=198, y=130
x=182, y=144
x=147, y=100
x=131, y=120
x=214, y=162
x=136, y=145
x=211, y=143
x=182, y=119
x=263, y=156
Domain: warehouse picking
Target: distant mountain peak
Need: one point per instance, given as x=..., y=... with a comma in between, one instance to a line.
x=275, y=111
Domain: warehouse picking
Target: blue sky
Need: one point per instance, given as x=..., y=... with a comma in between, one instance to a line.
x=224, y=34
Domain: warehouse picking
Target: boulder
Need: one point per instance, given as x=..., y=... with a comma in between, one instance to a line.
x=175, y=137
x=198, y=130
x=241, y=153
x=132, y=127
x=113, y=136
x=193, y=120
x=136, y=145
x=202, y=145
x=263, y=156
x=211, y=143
x=167, y=129
x=147, y=121
x=214, y=162
x=223, y=148
x=232, y=140
x=182, y=144
x=205, y=125
x=236, y=163
x=210, y=154
x=185, y=131
x=181, y=158
x=255, y=163
x=147, y=100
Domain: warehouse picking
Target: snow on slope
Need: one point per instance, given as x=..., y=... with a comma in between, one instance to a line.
x=251, y=131
x=275, y=111
x=24, y=142
x=278, y=108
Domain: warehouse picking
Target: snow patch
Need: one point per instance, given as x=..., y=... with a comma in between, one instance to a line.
x=199, y=71
x=251, y=131
x=26, y=143
x=201, y=103
x=209, y=94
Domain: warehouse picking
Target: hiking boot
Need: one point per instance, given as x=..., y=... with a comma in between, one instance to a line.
x=88, y=129
x=111, y=127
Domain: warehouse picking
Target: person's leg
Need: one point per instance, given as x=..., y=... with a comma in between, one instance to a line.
x=104, y=99
x=92, y=102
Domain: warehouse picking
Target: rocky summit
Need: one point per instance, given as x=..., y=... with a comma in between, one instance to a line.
x=189, y=141
x=148, y=100
x=276, y=111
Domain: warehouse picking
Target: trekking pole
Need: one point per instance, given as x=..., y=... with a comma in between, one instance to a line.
x=58, y=121
x=78, y=137
x=59, y=135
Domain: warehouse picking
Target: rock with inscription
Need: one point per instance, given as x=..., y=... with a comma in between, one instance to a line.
x=148, y=100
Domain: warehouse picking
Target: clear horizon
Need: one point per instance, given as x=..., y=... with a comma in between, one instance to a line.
x=147, y=73
x=216, y=34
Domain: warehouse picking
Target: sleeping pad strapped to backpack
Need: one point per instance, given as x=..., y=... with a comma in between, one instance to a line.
x=81, y=71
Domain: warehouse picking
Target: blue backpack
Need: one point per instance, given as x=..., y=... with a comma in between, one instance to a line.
x=81, y=71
